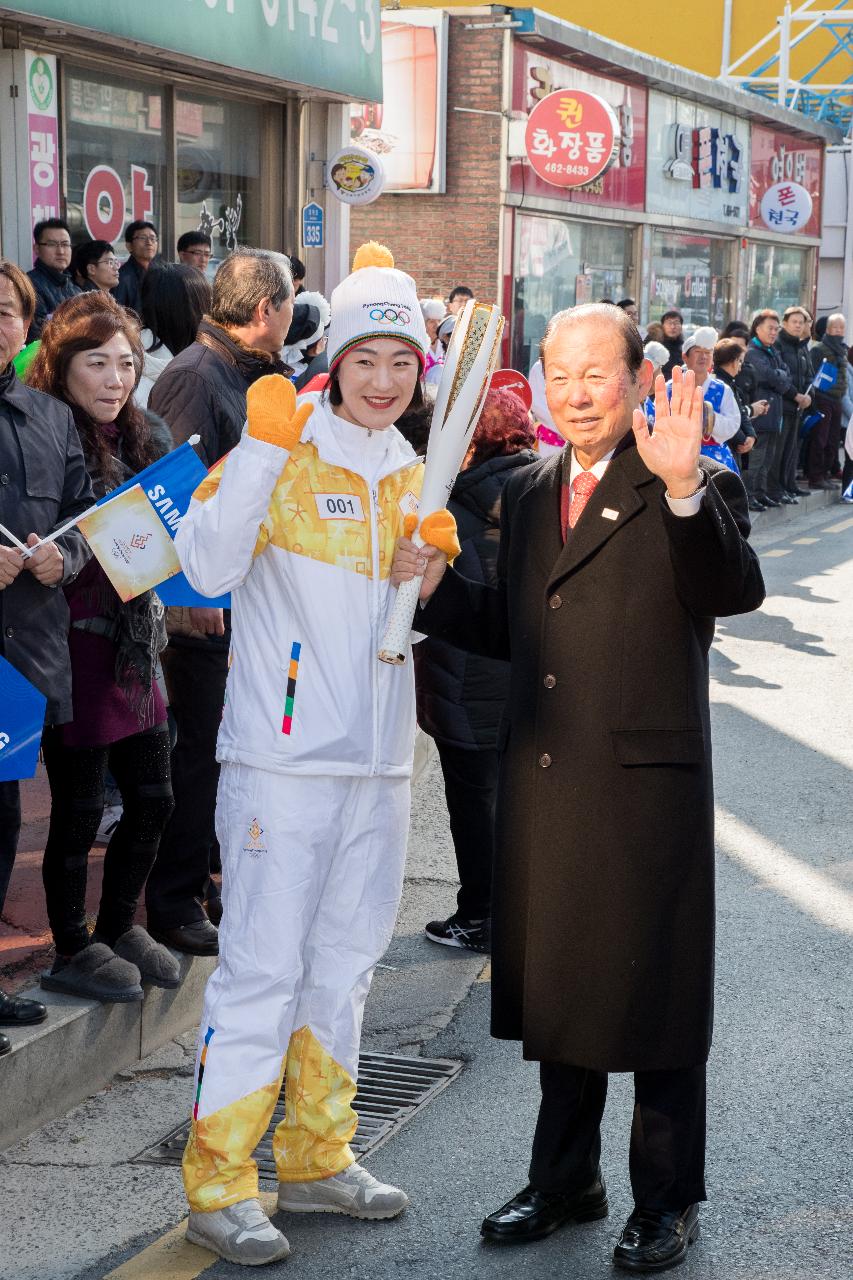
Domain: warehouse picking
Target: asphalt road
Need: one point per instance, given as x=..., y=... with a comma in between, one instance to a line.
x=780, y=1156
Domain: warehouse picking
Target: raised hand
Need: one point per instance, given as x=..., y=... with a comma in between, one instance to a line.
x=672, y=450
x=272, y=413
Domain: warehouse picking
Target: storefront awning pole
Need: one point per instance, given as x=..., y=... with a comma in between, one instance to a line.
x=784, y=55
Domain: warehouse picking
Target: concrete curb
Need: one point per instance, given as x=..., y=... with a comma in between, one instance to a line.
x=82, y=1045
x=762, y=520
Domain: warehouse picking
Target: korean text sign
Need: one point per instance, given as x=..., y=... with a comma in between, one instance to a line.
x=42, y=136
x=571, y=137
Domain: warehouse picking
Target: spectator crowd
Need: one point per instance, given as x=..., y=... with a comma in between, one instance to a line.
x=106, y=366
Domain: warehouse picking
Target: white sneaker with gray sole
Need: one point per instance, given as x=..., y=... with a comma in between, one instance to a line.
x=355, y=1192
x=242, y=1233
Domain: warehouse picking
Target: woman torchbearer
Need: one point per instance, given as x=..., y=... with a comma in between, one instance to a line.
x=299, y=522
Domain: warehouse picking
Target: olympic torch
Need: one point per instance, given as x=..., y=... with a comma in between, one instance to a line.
x=471, y=360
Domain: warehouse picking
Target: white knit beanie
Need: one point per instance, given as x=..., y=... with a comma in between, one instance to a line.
x=375, y=301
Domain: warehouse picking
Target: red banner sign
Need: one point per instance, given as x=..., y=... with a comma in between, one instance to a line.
x=571, y=137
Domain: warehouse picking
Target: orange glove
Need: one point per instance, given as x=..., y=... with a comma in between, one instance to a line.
x=438, y=530
x=272, y=412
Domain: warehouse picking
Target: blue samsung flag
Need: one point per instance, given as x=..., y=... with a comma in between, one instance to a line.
x=169, y=484
x=809, y=421
x=826, y=376
x=22, y=710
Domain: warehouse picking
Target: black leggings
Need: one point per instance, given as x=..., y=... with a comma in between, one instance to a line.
x=140, y=765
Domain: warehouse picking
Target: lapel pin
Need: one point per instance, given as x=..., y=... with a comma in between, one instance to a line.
x=609, y=514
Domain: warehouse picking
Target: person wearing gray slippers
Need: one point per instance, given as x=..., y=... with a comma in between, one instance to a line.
x=91, y=357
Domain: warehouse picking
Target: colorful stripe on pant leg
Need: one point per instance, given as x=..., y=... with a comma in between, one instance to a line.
x=293, y=672
x=207, y=1039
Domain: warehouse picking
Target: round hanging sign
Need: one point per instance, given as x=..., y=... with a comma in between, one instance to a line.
x=786, y=206
x=512, y=380
x=355, y=175
x=572, y=138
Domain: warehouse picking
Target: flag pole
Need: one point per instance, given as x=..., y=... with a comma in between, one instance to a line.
x=8, y=534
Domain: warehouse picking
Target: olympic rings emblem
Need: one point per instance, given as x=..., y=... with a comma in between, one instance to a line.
x=390, y=315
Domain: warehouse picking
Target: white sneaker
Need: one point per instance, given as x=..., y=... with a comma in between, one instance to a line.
x=355, y=1192
x=242, y=1233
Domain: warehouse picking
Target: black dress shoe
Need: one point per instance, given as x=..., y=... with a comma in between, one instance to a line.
x=802, y=493
x=201, y=938
x=533, y=1214
x=789, y=500
x=20, y=1013
x=655, y=1241
x=770, y=502
x=756, y=505
x=5, y=1045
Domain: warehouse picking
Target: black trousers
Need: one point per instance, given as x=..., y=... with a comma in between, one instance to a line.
x=822, y=457
x=140, y=765
x=10, y=829
x=782, y=476
x=179, y=881
x=470, y=784
x=667, y=1152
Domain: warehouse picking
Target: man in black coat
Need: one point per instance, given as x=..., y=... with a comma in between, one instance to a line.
x=793, y=346
x=142, y=240
x=49, y=276
x=43, y=483
x=203, y=392
x=614, y=559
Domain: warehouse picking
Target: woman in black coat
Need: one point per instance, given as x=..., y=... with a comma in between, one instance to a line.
x=461, y=696
x=43, y=484
x=764, y=376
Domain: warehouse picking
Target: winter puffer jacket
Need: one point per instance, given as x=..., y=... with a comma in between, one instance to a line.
x=764, y=376
x=461, y=696
x=795, y=354
x=52, y=288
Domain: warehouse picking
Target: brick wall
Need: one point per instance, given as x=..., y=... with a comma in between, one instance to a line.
x=449, y=239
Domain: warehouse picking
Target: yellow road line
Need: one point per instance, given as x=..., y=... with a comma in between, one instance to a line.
x=837, y=528
x=172, y=1257
x=486, y=972
x=805, y=542
x=779, y=551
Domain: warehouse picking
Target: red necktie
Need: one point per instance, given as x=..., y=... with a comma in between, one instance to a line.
x=582, y=488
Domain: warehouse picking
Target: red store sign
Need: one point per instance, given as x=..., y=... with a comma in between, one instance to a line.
x=571, y=138
x=621, y=179
x=778, y=157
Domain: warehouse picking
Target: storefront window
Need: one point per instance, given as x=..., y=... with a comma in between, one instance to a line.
x=559, y=263
x=777, y=277
x=218, y=171
x=690, y=273
x=115, y=154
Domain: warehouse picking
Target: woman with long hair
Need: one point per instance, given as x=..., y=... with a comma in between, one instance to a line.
x=174, y=299
x=91, y=358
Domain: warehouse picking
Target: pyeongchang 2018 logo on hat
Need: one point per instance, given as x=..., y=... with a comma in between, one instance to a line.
x=395, y=314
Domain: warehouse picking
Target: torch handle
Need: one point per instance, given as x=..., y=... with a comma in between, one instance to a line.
x=395, y=642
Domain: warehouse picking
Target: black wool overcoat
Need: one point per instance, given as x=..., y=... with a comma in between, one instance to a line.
x=603, y=897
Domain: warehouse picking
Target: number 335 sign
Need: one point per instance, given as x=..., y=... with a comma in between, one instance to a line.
x=572, y=138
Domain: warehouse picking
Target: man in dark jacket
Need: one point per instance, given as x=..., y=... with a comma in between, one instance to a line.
x=203, y=392
x=672, y=323
x=793, y=346
x=764, y=376
x=823, y=467
x=461, y=696
x=141, y=240
x=615, y=557
x=43, y=483
x=52, y=243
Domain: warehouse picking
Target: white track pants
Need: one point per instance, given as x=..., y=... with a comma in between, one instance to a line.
x=312, y=871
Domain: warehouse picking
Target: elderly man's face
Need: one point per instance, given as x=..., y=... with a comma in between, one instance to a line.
x=589, y=388
x=699, y=360
x=835, y=328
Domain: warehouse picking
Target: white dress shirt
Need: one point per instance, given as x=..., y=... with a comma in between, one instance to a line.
x=678, y=506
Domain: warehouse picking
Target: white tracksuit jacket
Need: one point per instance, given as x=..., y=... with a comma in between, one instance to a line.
x=310, y=538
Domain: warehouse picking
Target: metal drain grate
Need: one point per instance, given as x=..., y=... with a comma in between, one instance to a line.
x=391, y=1090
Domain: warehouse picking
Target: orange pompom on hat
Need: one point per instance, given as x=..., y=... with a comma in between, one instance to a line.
x=375, y=301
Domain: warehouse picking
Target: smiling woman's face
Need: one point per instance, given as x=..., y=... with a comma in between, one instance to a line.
x=100, y=380
x=377, y=381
